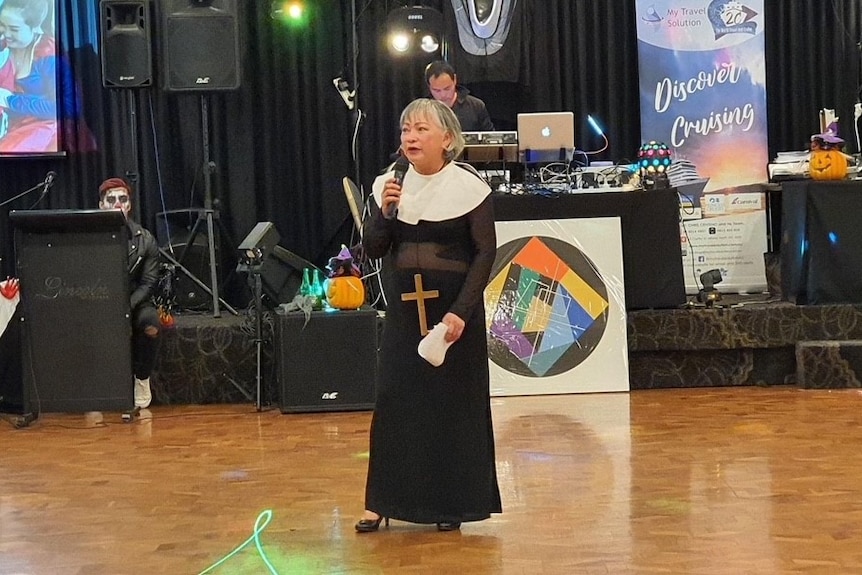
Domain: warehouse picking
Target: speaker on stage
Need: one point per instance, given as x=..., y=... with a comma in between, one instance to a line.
x=181, y=235
x=327, y=364
x=127, y=58
x=200, y=40
x=195, y=257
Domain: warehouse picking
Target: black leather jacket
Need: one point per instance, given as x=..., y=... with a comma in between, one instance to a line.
x=143, y=264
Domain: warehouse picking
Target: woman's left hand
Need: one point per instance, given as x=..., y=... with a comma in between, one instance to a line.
x=454, y=327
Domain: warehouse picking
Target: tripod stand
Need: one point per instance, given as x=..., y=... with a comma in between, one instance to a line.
x=253, y=267
x=206, y=216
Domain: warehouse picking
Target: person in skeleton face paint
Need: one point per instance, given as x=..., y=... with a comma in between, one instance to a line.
x=116, y=194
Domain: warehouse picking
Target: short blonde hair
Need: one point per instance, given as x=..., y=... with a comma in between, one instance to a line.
x=441, y=115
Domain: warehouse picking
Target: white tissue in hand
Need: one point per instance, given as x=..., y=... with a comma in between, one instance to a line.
x=433, y=346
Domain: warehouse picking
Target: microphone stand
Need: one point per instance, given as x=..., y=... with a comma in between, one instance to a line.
x=48, y=184
x=44, y=184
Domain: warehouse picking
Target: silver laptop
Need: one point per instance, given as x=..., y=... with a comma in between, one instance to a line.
x=542, y=136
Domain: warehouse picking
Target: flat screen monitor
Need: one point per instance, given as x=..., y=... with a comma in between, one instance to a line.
x=546, y=136
x=28, y=71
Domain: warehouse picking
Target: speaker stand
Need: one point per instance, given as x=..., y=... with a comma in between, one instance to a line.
x=206, y=216
x=257, y=288
x=132, y=177
x=208, y=204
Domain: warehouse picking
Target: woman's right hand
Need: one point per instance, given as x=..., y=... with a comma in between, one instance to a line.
x=4, y=97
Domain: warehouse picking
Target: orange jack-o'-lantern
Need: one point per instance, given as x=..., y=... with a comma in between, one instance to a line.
x=827, y=165
x=345, y=292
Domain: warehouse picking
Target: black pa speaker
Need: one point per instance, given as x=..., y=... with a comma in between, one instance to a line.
x=281, y=269
x=195, y=257
x=328, y=363
x=200, y=40
x=127, y=57
x=182, y=235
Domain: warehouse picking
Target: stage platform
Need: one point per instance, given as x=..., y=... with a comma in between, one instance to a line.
x=746, y=340
x=742, y=341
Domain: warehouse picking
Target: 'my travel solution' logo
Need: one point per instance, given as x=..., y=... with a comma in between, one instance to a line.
x=724, y=16
x=547, y=307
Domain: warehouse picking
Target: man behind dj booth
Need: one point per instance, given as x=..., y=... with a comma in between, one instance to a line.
x=443, y=85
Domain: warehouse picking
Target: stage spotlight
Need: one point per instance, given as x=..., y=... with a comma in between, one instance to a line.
x=429, y=44
x=293, y=12
x=400, y=42
x=414, y=30
x=708, y=294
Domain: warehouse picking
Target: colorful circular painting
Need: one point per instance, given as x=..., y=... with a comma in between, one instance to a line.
x=546, y=307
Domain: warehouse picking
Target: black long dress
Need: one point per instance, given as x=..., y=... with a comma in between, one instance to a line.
x=432, y=443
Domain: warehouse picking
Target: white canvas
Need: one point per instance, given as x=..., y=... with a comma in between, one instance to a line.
x=555, y=308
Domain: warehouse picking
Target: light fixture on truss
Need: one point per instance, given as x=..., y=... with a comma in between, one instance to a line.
x=414, y=30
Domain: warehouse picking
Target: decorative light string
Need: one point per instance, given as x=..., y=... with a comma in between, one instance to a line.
x=259, y=525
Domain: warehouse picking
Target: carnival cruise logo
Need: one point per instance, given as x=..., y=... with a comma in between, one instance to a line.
x=749, y=201
x=731, y=17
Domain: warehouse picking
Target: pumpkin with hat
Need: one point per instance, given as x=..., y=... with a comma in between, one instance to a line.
x=828, y=160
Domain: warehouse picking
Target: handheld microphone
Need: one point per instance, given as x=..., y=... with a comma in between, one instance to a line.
x=400, y=169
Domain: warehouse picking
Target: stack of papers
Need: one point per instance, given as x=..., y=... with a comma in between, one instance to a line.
x=789, y=164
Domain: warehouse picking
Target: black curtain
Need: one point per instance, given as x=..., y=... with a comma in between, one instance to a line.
x=812, y=62
x=281, y=143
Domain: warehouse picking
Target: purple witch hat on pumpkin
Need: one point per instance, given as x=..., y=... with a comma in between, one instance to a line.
x=830, y=136
x=343, y=264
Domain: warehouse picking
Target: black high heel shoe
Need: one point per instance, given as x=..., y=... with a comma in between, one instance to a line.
x=449, y=526
x=370, y=525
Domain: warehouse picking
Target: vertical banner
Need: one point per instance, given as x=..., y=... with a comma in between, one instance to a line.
x=703, y=93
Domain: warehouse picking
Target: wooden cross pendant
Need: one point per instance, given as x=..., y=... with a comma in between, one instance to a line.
x=420, y=296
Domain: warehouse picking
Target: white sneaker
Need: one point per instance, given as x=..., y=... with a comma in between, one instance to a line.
x=143, y=396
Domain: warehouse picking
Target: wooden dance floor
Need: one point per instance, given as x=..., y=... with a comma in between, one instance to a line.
x=703, y=481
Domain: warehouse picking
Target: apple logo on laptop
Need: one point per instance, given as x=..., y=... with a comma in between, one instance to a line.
x=546, y=132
